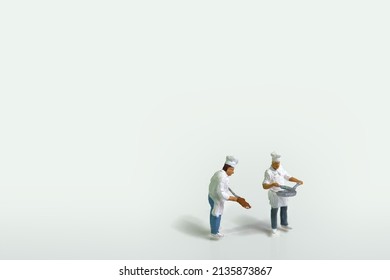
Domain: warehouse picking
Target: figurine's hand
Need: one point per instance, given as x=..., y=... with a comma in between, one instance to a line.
x=243, y=202
x=275, y=184
x=300, y=182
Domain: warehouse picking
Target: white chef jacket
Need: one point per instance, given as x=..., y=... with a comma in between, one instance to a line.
x=219, y=191
x=279, y=176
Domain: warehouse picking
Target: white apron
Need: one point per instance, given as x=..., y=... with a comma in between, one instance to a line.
x=275, y=200
x=219, y=191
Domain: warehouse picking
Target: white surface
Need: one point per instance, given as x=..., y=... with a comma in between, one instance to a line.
x=114, y=116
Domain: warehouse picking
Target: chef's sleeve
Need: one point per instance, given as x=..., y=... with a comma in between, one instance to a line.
x=286, y=175
x=222, y=190
x=267, y=178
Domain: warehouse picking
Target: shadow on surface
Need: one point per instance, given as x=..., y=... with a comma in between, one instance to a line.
x=192, y=226
x=247, y=225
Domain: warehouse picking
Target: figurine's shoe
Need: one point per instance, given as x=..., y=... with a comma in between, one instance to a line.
x=217, y=236
x=286, y=227
x=275, y=232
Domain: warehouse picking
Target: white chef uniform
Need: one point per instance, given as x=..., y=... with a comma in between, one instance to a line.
x=219, y=187
x=279, y=176
x=219, y=191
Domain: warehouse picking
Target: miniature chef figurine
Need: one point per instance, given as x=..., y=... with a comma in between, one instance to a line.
x=273, y=178
x=219, y=193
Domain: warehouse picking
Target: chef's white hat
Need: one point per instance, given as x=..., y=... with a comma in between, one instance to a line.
x=231, y=160
x=275, y=157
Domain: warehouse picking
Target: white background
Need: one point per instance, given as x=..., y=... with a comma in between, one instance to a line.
x=115, y=114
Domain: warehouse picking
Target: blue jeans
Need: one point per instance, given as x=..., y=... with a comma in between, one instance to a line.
x=283, y=217
x=215, y=222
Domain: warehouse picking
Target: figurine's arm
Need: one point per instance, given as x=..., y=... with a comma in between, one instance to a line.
x=268, y=186
x=295, y=180
x=267, y=182
x=233, y=198
x=222, y=191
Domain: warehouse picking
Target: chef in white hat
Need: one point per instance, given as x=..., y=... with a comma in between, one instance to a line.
x=274, y=177
x=219, y=193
